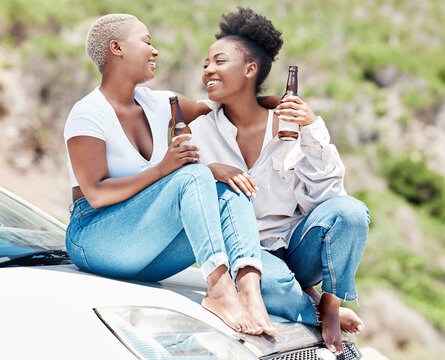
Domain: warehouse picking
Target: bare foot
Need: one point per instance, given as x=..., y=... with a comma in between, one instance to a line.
x=249, y=290
x=349, y=321
x=330, y=322
x=222, y=300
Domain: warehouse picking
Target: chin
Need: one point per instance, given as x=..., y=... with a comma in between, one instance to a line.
x=213, y=97
x=146, y=79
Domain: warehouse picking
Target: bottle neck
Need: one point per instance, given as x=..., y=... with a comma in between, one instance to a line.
x=292, y=84
x=177, y=115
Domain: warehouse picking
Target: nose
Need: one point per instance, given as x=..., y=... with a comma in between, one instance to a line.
x=154, y=51
x=209, y=70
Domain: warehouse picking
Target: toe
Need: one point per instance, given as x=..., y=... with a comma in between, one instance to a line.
x=338, y=347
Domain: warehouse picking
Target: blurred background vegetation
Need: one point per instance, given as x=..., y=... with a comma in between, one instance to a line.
x=374, y=70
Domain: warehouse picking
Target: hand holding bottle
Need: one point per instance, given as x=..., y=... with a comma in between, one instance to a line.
x=287, y=129
x=295, y=110
x=178, y=155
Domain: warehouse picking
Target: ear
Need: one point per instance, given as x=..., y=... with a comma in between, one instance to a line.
x=115, y=48
x=251, y=69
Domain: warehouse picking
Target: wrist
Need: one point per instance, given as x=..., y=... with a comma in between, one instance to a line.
x=159, y=171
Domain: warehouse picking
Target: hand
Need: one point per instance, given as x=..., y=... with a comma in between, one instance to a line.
x=178, y=155
x=235, y=178
x=294, y=106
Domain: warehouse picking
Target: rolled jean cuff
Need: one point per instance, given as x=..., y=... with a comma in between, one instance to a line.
x=243, y=262
x=212, y=263
x=342, y=296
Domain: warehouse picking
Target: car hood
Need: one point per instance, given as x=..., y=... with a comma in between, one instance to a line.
x=50, y=308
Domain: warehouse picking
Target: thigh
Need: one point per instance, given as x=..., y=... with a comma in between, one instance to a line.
x=122, y=239
x=343, y=222
x=177, y=256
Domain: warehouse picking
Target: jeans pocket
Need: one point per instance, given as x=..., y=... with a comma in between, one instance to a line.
x=86, y=218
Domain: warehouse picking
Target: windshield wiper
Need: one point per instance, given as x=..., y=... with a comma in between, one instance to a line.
x=45, y=257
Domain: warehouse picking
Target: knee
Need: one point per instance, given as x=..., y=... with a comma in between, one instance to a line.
x=197, y=172
x=352, y=211
x=225, y=192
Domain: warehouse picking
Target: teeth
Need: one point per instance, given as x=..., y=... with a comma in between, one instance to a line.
x=152, y=63
x=212, y=82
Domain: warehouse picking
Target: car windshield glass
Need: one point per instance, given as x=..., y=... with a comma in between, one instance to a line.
x=23, y=229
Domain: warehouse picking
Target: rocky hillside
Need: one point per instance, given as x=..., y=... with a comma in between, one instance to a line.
x=373, y=70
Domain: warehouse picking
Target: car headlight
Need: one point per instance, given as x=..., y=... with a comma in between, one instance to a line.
x=157, y=333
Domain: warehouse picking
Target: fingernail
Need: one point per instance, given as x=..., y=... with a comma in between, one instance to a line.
x=257, y=188
x=360, y=327
x=332, y=348
x=253, y=195
x=277, y=111
x=249, y=194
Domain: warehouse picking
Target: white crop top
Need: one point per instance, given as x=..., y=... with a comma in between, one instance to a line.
x=94, y=116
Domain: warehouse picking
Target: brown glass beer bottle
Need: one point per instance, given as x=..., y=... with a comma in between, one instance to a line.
x=179, y=126
x=288, y=132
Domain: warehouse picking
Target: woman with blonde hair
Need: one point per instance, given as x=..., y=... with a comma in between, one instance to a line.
x=138, y=212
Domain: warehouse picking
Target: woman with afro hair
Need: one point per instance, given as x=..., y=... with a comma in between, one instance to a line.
x=310, y=229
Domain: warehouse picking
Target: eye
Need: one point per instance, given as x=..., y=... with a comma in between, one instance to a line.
x=205, y=66
x=220, y=61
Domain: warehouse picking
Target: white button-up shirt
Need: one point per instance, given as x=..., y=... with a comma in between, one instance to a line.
x=293, y=176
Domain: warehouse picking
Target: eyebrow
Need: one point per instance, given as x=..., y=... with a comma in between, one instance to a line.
x=216, y=55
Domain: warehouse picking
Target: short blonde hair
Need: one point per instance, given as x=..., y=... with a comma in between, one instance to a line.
x=105, y=29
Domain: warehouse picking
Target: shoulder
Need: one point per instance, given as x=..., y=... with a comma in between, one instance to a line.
x=150, y=95
x=88, y=116
x=204, y=122
x=88, y=105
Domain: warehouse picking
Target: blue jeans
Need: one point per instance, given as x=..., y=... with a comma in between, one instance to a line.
x=182, y=218
x=326, y=247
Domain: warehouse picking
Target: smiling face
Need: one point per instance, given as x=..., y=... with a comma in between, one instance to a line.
x=226, y=72
x=138, y=55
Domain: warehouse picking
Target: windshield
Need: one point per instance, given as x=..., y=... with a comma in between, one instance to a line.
x=23, y=229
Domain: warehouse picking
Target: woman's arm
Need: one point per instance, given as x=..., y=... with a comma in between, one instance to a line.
x=320, y=170
x=236, y=178
x=191, y=109
x=88, y=158
x=269, y=101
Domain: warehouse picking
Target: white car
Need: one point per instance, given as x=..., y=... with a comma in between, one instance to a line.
x=49, y=309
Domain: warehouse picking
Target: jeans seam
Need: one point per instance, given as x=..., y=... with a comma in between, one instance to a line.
x=80, y=250
x=233, y=222
x=331, y=269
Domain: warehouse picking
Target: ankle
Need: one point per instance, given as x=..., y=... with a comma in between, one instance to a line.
x=330, y=303
x=248, y=280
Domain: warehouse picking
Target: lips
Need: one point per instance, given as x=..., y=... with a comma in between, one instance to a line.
x=152, y=65
x=212, y=83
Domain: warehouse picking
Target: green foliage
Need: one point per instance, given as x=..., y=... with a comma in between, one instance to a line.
x=415, y=182
x=388, y=260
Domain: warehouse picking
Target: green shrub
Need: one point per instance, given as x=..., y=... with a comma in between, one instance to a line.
x=415, y=182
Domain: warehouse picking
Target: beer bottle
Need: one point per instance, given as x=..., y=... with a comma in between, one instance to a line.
x=288, y=131
x=179, y=126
